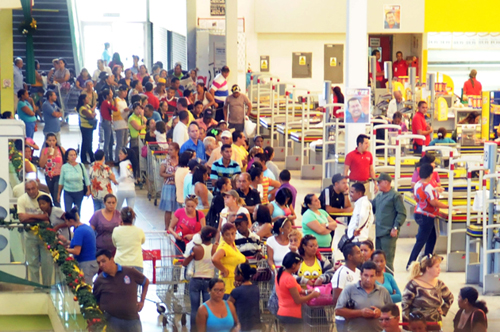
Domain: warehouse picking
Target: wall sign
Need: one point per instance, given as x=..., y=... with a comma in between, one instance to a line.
x=217, y=7
x=264, y=63
x=374, y=42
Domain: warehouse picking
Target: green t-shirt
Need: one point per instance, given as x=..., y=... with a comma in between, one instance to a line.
x=324, y=241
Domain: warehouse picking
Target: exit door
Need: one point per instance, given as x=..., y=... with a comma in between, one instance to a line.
x=334, y=63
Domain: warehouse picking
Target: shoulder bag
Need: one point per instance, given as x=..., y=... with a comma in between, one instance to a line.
x=345, y=239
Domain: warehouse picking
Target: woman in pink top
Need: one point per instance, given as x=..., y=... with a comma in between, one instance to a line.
x=290, y=294
x=51, y=160
x=186, y=222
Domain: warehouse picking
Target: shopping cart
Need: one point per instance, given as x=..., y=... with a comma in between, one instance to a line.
x=155, y=156
x=318, y=319
x=143, y=165
x=168, y=274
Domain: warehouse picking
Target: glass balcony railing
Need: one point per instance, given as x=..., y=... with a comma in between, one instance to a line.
x=18, y=248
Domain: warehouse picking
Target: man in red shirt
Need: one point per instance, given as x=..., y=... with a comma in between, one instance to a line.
x=399, y=67
x=152, y=99
x=420, y=127
x=359, y=164
x=380, y=71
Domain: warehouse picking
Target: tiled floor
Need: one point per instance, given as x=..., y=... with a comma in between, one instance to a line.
x=150, y=218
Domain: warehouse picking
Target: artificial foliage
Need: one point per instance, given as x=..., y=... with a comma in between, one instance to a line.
x=74, y=277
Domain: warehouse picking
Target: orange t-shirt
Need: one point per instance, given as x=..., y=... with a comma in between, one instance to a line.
x=287, y=306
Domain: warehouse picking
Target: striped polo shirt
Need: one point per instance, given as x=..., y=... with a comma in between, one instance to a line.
x=219, y=170
x=219, y=85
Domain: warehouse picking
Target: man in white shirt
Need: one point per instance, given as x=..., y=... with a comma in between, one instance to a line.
x=100, y=68
x=36, y=253
x=396, y=104
x=345, y=275
x=180, y=135
x=220, y=91
x=362, y=216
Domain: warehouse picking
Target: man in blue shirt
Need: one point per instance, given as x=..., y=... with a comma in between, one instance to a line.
x=150, y=113
x=224, y=167
x=194, y=142
x=51, y=115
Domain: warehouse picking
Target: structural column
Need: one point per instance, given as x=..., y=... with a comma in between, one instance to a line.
x=6, y=61
x=356, y=59
x=232, y=40
x=191, y=32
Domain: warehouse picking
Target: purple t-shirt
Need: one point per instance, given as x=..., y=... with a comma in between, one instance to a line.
x=104, y=229
x=292, y=189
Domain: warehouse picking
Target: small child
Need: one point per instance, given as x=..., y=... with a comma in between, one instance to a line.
x=417, y=322
x=222, y=125
x=294, y=237
x=161, y=135
x=246, y=298
x=247, y=242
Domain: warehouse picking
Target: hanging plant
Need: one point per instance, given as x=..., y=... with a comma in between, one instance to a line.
x=74, y=278
x=28, y=27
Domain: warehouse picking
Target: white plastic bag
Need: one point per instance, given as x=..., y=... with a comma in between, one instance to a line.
x=477, y=205
x=249, y=127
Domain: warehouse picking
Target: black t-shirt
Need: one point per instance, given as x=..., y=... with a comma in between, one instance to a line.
x=336, y=200
x=247, y=306
x=252, y=199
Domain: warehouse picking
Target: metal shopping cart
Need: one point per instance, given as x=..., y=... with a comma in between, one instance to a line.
x=155, y=156
x=143, y=165
x=168, y=274
x=318, y=318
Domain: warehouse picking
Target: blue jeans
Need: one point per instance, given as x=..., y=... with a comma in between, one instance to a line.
x=341, y=325
x=71, y=198
x=426, y=236
x=98, y=204
x=292, y=324
x=122, y=325
x=108, y=139
x=30, y=129
x=87, y=137
x=197, y=287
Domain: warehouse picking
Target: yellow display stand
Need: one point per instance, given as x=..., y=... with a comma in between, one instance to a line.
x=441, y=113
x=485, y=116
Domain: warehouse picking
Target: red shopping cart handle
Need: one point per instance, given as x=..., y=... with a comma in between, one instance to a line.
x=428, y=323
x=325, y=250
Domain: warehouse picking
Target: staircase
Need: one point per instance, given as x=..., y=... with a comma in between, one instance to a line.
x=53, y=37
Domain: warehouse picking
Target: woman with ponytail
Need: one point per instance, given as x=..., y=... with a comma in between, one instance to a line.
x=290, y=294
x=128, y=240
x=425, y=292
x=204, y=269
x=246, y=298
x=472, y=314
x=472, y=87
x=442, y=139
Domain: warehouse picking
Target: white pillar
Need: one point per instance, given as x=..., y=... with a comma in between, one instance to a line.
x=356, y=59
x=191, y=33
x=232, y=41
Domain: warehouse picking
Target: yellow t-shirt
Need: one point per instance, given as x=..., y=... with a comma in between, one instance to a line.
x=84, y=123
x=128, y=241
x=243, y=153
x=310, y=272
x=230, y=261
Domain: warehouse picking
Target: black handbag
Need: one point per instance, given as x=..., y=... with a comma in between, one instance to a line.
x=345, y=239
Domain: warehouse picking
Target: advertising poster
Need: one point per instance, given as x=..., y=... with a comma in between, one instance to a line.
x=392, y=17
x=357, y=109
